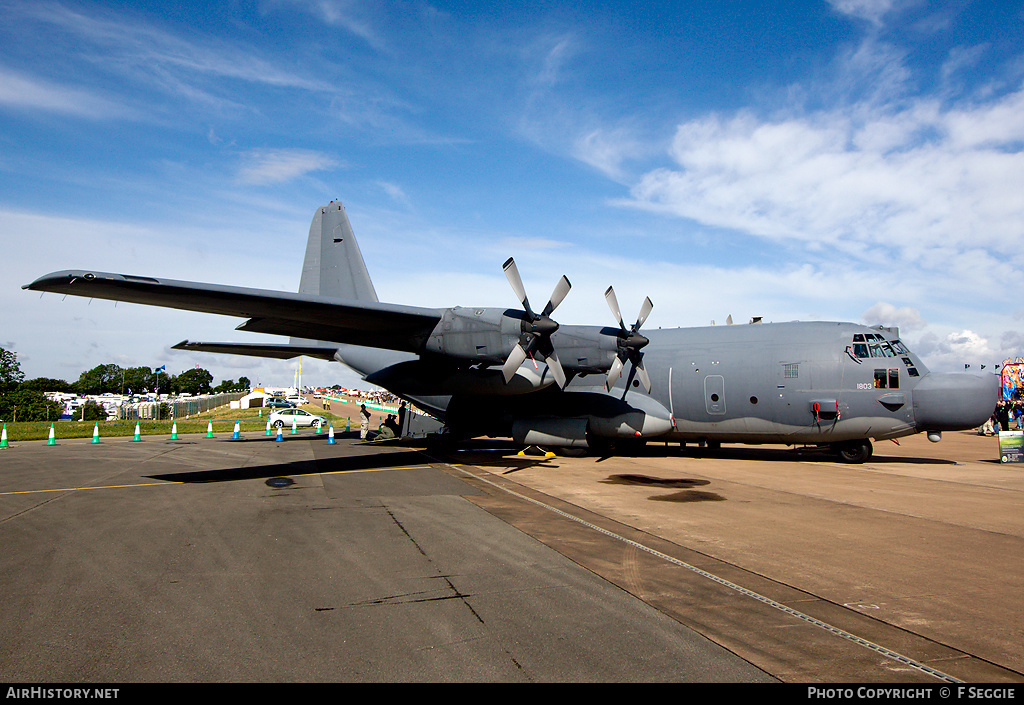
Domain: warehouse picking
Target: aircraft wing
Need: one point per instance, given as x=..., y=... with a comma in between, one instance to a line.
x=371, y=324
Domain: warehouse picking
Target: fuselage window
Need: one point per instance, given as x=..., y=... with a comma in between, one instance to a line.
x=887, y=379
x=860, y=349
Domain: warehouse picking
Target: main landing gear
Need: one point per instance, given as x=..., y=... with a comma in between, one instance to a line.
x=853, y=451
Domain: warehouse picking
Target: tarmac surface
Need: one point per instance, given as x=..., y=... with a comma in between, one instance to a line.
x=257, y=560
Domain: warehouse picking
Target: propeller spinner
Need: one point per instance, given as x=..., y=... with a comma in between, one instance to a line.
x=537, y=328
x=629, y=344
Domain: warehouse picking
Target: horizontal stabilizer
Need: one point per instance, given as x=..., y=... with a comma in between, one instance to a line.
x=281, y=352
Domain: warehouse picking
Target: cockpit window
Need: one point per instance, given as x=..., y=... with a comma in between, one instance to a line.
x=872, y=345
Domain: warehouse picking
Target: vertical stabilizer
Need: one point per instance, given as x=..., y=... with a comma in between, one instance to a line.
x=334, y=265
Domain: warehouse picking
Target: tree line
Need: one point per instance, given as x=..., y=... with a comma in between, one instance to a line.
x=27, y=398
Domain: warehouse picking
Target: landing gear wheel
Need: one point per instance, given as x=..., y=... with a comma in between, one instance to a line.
x=853, y=451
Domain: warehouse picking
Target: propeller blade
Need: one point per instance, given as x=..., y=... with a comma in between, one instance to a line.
x=561, y=289
x=613, y=373
x=613, y=304
x=515, y=359
x=645, y=311
x=645, y=379
x=512, y=274
x=556, y=369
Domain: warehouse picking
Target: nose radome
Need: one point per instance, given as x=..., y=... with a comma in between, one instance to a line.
x=954, y=402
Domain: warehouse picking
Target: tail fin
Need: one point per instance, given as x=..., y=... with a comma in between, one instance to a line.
x=334, y=265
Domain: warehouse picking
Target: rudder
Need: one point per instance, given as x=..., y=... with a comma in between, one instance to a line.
x=333, y=265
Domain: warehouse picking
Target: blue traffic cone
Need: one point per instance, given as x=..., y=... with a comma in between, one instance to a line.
x=330, y=435
x=236, y=434
x=278, y=439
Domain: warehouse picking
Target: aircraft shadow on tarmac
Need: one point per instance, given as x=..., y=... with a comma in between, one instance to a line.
x=350, y=463
x=686, y=485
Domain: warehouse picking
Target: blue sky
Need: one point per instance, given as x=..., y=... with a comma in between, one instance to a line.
x=851, y=160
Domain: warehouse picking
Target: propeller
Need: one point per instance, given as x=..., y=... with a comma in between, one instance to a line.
x=629, y=344
x=537, y=328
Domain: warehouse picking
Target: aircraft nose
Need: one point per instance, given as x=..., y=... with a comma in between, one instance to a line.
x=954, y=402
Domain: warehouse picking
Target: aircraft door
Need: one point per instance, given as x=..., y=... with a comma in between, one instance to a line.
x=714, y=394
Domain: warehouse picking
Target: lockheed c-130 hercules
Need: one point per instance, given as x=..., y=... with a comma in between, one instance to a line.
x=517, y=373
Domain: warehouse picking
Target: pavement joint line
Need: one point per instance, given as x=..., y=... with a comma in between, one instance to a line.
x=888, y=653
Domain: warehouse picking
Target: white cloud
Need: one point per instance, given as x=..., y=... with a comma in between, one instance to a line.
x=871, y=10
x=276, y=166
x=957, y=349
x=30, y=93
x=868, y=181
x=886, y=314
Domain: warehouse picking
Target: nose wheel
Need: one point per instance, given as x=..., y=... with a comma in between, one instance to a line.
x=853, y=451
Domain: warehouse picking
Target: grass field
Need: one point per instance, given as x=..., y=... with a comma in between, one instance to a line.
x=223, y=422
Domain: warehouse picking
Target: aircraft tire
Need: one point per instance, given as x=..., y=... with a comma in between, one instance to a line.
x=853, y=451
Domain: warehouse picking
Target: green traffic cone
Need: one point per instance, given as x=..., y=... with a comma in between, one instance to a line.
x=138, y=433
x=51, y=441
x=96, y=433
x=209, y=429
x=174, y=431
x=3, y=438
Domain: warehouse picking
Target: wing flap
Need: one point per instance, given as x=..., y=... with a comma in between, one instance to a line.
x=280, y=352
x=369, y=323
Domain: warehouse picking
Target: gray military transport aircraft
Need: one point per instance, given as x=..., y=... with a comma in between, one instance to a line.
x=516, y=373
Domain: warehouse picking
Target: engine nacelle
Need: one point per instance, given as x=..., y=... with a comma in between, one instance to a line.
x=560, y=433
x=640, y=418
x=484, y=335
x=423, y=378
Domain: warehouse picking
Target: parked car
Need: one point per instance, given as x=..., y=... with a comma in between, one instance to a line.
x=278, y=403
x=301, y=417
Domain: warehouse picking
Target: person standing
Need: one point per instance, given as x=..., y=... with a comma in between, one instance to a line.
x=364, y=421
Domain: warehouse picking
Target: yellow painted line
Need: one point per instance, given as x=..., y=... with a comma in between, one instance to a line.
x=151, y=484
x=98, y=487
